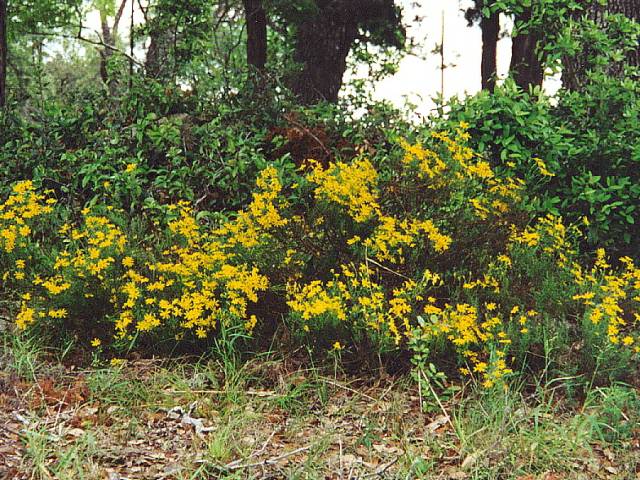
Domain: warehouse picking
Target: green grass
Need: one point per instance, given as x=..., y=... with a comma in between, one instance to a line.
x=269, y=416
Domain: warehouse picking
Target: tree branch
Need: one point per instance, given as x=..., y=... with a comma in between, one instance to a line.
x=116, y=21
x=97, y=43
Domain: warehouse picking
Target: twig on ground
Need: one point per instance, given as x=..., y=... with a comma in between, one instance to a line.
x=352, y=390
x=383, y=468
x=268, y=461
x=444, y=411
x=11, y=430
x=257, y=393
x=340, y=458
x=255, y=453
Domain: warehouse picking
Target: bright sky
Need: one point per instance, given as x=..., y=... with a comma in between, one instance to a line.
x=418, y=79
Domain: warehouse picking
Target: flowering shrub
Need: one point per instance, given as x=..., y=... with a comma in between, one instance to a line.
x=98, y=279
x=431, y=251
x=354, y=301
x=611, y=301
x=18, y=215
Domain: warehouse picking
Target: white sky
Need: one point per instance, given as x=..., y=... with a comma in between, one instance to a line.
x=418, y=79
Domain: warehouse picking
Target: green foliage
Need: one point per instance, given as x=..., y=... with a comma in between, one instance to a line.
x=82, y=150
x=589, y=141
x=223, y=211
x=612, y=412
x=588, y=137
x=41, y=16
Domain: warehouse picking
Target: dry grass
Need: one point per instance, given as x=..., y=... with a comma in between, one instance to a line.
x=276, y=419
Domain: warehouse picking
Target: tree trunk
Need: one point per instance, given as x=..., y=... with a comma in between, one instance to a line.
x=490, y=27
x=109, y=35
x=525, y=68
x=105, y=53
x=322, y=46
x=575, y=68
x=3, y=53
x=256, y=20
x=156, y=63
x=324, y=39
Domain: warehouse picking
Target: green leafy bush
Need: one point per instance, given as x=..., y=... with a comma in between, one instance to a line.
x=588, y=140
x=430, y=251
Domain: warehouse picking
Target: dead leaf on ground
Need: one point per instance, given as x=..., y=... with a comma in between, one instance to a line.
x=471, y=459
x=437, y=423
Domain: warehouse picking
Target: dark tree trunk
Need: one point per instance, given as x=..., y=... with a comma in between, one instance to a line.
x=256, y=20
x=575, y=68
x=162, y=31
x=324, y=39
x=3, y=53
x=156, y=63
x=525, y=68
x=490, y=27
x=322, y=46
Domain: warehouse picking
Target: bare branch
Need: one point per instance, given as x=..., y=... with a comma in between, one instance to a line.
x=97, y=43
x=119, y=13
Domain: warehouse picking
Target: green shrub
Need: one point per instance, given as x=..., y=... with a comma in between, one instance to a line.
x=589, y=140
x=429, y=249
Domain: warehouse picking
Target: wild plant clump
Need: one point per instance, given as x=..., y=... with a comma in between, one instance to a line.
x=429, y=250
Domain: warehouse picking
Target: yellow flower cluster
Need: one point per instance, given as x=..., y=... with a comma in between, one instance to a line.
x=185, y=225
x=611, y=299
x=354, y=186
x=427, y=162
x=542, y=168
x=492, y=195
x=478, y=336
x=26, y=316
x=86, y=262
x=496, y=198
x=487, y=281
x=197, y=285
x=22, y=208
x=355, y=296
x=551, y=236
x=392, y=237
x=263, y=213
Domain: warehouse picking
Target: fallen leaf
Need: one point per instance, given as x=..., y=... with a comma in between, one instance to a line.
x=457, y=475
x=471, y=459
x=437, y=423
x=384, y=449
x=75, y=432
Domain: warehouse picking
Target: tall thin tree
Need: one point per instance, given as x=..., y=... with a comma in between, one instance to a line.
x=109, y=35
x=256, y=20
x=489, y=20
x=3, y=53
x=490, y=26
